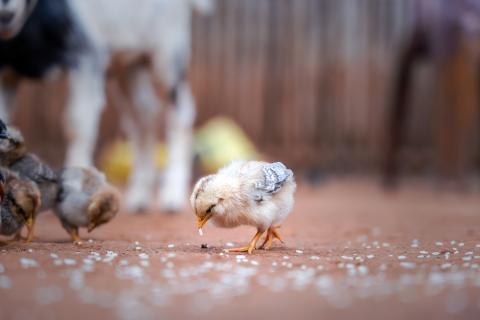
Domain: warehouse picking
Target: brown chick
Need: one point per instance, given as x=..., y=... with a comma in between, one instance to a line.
x=14, y=155
x=85, y=199
x=20, y=200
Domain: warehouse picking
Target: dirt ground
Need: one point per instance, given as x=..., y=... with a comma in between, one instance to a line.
x=352, y=251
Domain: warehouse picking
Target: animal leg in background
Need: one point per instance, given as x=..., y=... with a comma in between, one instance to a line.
x=140, y=125
x=414, y=47
x=457, y=103
x=85, y=105
x=176, y=179
x=8, y=92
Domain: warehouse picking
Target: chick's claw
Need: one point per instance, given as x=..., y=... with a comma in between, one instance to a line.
x=275, y=234
x=267, y=243
x=251, y=246
x=272, y=234
x=248, y=249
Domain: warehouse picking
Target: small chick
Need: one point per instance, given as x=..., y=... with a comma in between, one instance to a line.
x=85, y=200
x=14, y=155
x=20, y=200
x=254, y=193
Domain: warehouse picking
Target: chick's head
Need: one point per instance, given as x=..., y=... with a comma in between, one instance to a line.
x=213, y=196
x=103, y=207
x=12, y=144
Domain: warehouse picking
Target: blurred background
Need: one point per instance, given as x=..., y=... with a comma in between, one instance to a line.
x=330, y=88
x=310, y=82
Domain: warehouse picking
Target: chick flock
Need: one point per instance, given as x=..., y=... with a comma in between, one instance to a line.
x=79, y=197
x=253, y=193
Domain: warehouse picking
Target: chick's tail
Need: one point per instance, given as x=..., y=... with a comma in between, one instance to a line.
x=28, y=197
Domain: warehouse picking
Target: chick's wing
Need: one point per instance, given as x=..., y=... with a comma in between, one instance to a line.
x=271, y=178
x=33, y=168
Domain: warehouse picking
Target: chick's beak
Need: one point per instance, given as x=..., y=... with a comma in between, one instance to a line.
x=201, y=221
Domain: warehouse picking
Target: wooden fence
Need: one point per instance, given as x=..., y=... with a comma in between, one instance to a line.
x=308, y=80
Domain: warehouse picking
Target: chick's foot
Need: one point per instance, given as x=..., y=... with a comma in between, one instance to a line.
x=30, y=224
x=251, y=246
x=75, y=237
x=272, y=234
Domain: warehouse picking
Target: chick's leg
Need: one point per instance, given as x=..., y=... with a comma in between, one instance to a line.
x=267, y=243
x=275, y=233
x=75, y=236
x=30, y=223
x=72, y=231
x=271, y=235
x=251, y=245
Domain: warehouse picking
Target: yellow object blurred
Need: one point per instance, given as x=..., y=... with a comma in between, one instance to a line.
x=220, y=141
x=217, y=142
x=117, y=161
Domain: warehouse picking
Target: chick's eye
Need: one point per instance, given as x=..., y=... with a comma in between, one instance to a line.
x=210, y=208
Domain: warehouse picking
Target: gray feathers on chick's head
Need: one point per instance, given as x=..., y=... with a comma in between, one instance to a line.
x=12, y=143
x=198, y=189
x=15, y=135
x=206, y=196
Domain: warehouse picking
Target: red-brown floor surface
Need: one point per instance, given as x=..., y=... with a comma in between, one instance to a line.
x=351, y=250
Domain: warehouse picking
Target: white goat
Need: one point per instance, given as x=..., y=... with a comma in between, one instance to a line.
x=82, y=36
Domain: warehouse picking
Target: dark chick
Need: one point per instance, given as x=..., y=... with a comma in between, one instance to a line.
x=20, y=200
x=14, y=155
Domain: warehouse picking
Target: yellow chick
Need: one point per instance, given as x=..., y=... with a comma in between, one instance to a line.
x=253, y=193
